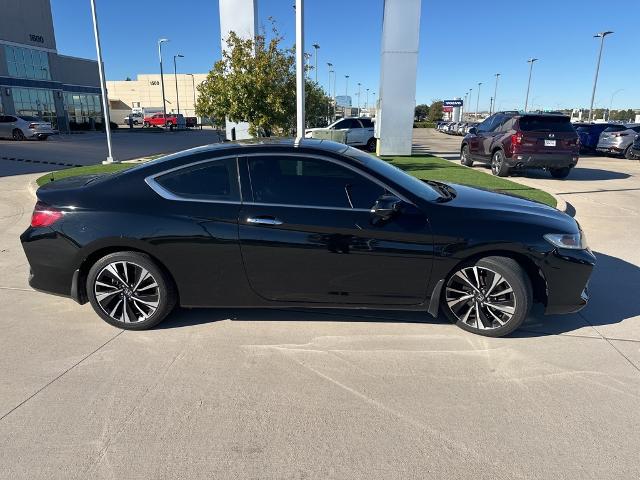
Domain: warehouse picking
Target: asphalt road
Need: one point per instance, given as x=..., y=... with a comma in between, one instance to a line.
x=327, y=394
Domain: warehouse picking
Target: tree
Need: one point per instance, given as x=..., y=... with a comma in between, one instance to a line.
x=255, y=82
x=421, y=112
x=435, y=111
x=128, y=79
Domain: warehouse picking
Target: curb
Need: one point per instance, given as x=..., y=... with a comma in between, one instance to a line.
x=561, y=204
x=32, y=187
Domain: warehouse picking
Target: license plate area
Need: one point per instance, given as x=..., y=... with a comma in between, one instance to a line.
x=549, y=143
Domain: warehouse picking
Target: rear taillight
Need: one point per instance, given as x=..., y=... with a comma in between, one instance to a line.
x=44, y=215
x=33, y=125
x=516, y=141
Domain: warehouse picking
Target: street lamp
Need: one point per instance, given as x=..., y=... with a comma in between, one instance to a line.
x=175, y=76
x=346, y=90
x=329, y=67
x=478, y=100
x=164, y=105
x=359, y=93
x=495, y=94
x=531, y=61
x=366, y=105
x=601, y=36
x=193, y=85
x=103, y=85
x=316, y=47
x=464, y=106
x=300, y=116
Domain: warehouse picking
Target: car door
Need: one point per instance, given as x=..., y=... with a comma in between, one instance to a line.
x=476, y=141
x=492, y=134
x=354, y=131
x=306, y=235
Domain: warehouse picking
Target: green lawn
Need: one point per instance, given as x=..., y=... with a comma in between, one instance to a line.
x=435, y=168
x=427, y=167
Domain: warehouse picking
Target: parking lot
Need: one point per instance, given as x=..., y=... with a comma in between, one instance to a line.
x=326, y=393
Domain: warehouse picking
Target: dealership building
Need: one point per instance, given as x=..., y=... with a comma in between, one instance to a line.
x=35, y=79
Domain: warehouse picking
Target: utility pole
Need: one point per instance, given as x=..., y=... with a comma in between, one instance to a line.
x=478, y=100
x=495, y=95
x=193, y=85
x=359, y=93
x=316, y=47
x=175, y=76
x=601, y=36
x=103, y=86
x=346, y=89
x=531, y=61
x=164, y=101
x=366, y=105
x=300, y=120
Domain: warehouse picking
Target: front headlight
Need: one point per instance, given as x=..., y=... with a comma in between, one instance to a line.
x=573, y=241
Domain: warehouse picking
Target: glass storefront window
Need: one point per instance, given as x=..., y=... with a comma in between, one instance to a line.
x=27, y=63
x=81, y=108
x=35, y=102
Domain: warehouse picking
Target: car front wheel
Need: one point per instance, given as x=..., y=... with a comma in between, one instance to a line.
x=490, y=297
x=130, y=291
x=18, y=135
x=628, y=154
x=371, y=145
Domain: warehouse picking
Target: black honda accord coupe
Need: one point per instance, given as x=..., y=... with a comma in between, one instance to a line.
x=291, y=223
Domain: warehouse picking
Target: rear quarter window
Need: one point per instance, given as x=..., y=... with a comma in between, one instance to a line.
x=545, y=124
x=615, y=128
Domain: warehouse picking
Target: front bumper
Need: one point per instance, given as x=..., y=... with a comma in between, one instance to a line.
x=542, y=160
x=567, y=274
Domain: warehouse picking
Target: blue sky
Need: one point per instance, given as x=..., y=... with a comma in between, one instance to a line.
x=461, y=43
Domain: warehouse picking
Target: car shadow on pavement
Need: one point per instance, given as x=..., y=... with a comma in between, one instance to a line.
x=613, y=284
x=614, y=292
x=578, y=174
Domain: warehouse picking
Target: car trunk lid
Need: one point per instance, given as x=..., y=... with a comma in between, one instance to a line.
x=545, y=134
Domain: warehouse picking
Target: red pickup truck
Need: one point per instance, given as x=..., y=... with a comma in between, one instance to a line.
x=171, y=119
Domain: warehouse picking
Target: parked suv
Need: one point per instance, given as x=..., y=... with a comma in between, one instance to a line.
x=617, y=140
x=589, y=134
x=515, y=140
x=635, y=148
x=359, y=132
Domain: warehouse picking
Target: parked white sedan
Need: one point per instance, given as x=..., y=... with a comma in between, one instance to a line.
x=23, y=127
x=358, y=132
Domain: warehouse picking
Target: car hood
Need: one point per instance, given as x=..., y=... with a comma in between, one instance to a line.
x=488, y=206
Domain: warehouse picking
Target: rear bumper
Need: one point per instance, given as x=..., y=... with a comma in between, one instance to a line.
x=541, y=160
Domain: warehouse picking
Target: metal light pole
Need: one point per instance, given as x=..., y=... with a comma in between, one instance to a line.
x=601, y=36
x=316, y=47
x=611, y=102
x=346, y=89
x=359, y=93
x=478, y=100
x=366, y=104
x=193, y=85
x=164, y=101
x=464, y=105
x=495, y=94
x=300, y=120
x=329, y=65
x=175, y=76
x=531, y=61
x=103, y=86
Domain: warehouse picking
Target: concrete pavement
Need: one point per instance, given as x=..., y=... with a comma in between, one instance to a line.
x=317, y=394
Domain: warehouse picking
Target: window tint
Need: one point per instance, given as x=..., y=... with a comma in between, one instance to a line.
x=216, y=180
x=615, y=128
x=486, y=125
x=636, y=129
x=342, y=124
x=508, y=125
x=366, y=122
x=545, y=124
x=302, y=181
x=497, y=122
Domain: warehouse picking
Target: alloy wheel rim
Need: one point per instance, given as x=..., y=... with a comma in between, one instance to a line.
x=127, y=292
x=495, y=164
x=480, y=298
x=464, y=154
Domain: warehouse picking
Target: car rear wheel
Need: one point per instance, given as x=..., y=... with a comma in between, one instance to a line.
x=499, y=165
x=18, y=135
x=628, y=154
x=371, y=145
x=130, y=291
x=490, y=297
x=465, y=157
x=560, y=172
x=146, y=124
x=42, y=138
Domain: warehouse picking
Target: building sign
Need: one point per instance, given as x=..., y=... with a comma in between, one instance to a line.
x=154, y=82
x=447, y=109
x=36, y=38
x=452, y=103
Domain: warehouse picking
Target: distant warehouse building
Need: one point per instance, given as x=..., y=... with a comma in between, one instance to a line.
x=145, y=92
x=36, y=80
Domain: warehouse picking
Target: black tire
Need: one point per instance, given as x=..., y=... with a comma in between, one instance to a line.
x=520, y=297
x=371, y=145
x=145, y=125
x=18, y=136
x=465, y=156
x=628, y=154
x=560, y=172
x=148, y=308
x=499, y=165
x=43, y=138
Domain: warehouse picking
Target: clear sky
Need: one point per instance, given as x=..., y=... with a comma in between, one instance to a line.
x=461, y=43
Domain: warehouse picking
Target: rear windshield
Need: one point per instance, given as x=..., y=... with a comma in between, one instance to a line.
x=546, y=124
x=615, y=128
x=30, y=119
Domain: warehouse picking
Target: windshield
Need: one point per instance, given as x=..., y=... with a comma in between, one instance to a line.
x=396, y=175
x=29, y=118
x=615, y=128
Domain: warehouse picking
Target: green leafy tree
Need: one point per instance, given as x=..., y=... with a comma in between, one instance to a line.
x=421, y=112
x=435, y=111
x=255, y=82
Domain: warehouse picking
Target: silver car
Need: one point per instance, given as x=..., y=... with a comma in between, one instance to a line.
x=617, y=140
x=23, y=127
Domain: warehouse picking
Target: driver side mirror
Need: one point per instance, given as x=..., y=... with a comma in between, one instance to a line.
x=385, y=208
x=473, y=130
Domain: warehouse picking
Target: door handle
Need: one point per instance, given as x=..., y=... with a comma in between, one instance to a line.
x=264, y=221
